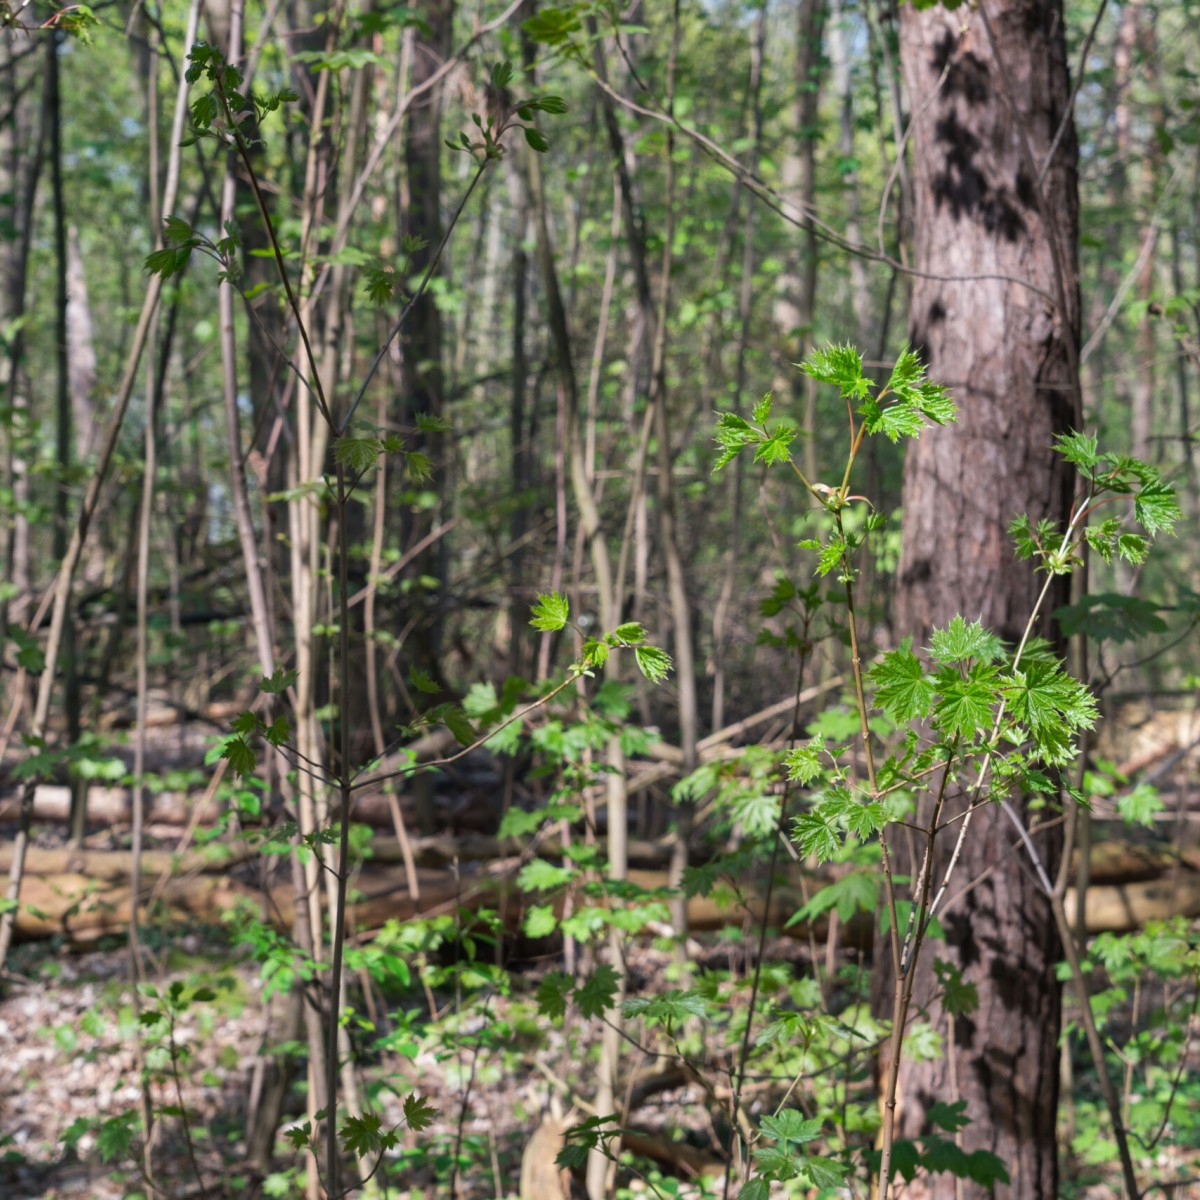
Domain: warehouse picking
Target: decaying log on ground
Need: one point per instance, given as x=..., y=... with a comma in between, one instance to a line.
x=84, y=894
x=678, y=1157
x=109, y=806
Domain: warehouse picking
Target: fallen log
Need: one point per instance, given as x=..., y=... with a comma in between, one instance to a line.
x=83, y=895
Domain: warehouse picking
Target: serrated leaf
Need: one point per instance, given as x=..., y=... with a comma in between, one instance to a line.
x=803, y=763
x=775, y=447
x=1078, y=448
x=423, y=682
x=1141, y=805
x=1156, y=507
x=825, y=1172
x=418, y=1112
x=597, y=994
x=240, y=756
x=552, y=993
x=840, y=365
x=653, y=662
x=279, y=682
x=456, y=721
x=550, y=613
x=863, y=820
x=356, y=454
x=791, y=1125
x=380, y=283
x=361, y=1136
x=964, y=706
x=204, y=111
x=959, y=642
x=816, y=836
x=669, y=1009
x=950, y=1117
x=629, y=634
x=1111, y=616
x=902, y=688
x=853, y=893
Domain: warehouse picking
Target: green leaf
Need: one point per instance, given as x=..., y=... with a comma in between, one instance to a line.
x=896, y=421
x=762, y=410
x=863, y=820
x=278, y=683
x=432, y=423
x=1111, y=617
x=950, y=1117
x=959, y=997
x=902, y=689
x=668, y=1009
x=357, y=454
x=733, y=432
x=840, y=365
x=552, y=26
x=361, y=1136
x=1078, y=448
x=594, y=654
x=1156, y=506
x=540, y=921
x=423, y=682
x=775, y=447
x=790, y=1125
x=536, y=139
x=204, y=111
x=803, y=763
x=418, y=1112
x=114, y=1138
x=755, y=1189
x=629, y=634
x=380, y=282
x=552, y=993
x=171, y=260
x=816, y=836
x=907, y=372
x=825, y=1172
x=965, y=705
x=598, y=992
x=831, y=555
x=852, y=893
x=542, y=876
x=553, y=105
x=550, y=613
x=240, y=756
x=959, y=642
x=481, y=702
x=1043, y=696
x=654, y=663
x=1140, y=806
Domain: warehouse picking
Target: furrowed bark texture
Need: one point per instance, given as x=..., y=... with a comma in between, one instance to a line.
x=1008, y=354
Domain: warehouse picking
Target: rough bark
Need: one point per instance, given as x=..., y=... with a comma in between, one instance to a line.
x=422, y=340
x=988, y=91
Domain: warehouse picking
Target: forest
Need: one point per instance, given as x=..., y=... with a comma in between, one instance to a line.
x=599, y=599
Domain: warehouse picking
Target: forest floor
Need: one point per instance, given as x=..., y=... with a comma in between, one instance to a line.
x=495, y=1072
x=68, y=1055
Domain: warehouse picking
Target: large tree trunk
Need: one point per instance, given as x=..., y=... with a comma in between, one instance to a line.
x=1007, y=349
